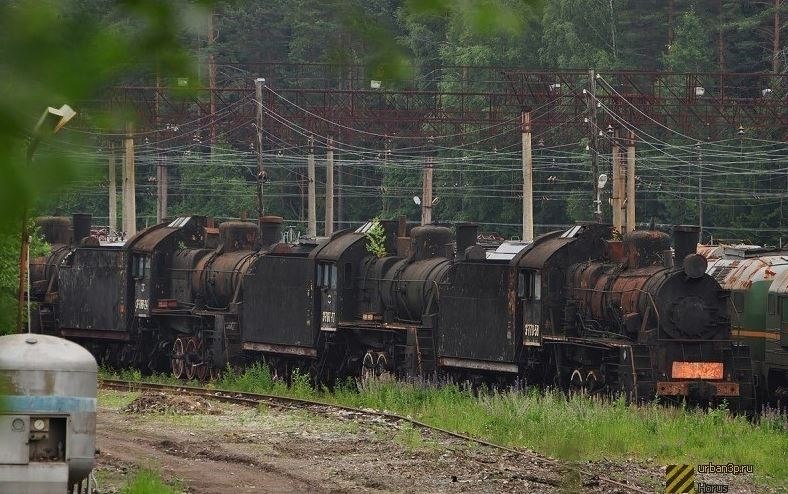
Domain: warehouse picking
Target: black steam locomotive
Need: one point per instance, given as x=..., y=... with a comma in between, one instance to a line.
x=574, y=309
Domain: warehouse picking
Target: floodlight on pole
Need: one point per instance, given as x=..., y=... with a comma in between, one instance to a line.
x=51, y=121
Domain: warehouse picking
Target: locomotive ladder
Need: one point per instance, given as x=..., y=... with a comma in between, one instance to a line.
x=644, y=384
x=743, y=373
x=425, y=351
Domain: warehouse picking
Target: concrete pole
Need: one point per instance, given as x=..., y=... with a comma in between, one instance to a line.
x=528, y=180
x=340, y=199
x=213, y=33
x=129, y=185
x=258, y=94
x=426, y=196
x=311, y=203
x=630, y=202
x=330, y=187
x=594, y=147
x=618, y=183
x=161, y=170
x=161, y=188
x=112, y=189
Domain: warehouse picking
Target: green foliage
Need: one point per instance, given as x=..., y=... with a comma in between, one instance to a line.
x=147, y=481
x=376, y=239
x=9, y=272
x=690, y=50
x=567, y=427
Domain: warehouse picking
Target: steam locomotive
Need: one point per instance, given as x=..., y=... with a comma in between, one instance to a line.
x=573, y=309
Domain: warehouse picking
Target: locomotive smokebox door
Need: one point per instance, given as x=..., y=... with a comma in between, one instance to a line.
x=529, y=291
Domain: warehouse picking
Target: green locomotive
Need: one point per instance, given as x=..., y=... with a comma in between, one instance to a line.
x=757, y=282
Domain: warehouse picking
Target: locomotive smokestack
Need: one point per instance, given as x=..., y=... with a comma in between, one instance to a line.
x=466, y=237
x=430, y=241
x=685, y=242
x=55, y=229
x=81, y=224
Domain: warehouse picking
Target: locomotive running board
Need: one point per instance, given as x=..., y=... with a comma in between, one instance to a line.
x=288, y=349
x=477, y=364
x=98, y=334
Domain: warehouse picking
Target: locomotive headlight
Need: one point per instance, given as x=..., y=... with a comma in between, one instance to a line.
x=39, y=424
x=17, y=425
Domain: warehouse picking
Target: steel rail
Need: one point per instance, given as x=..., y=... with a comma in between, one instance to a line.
x=253, y=399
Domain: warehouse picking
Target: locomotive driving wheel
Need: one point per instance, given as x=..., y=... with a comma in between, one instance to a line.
x=191, y=358
x=177, y=362
x=382, y=366
x=201, y=370
x=368, y=367
x=576, y=382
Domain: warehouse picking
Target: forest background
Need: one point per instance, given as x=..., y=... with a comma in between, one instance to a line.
x=72, y=50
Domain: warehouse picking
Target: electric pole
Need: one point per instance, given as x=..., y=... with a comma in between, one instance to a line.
x=161, y=169
x=129, y=185
x=112, y=189
x=329, y=187
x=630, y=199
x=261, y=176
x=700, y=191
x=213, y=34
x=618, y=183
x=594, y=148
x=426, y=193
x=311, y=207
x=528, y=172
x=340, y=199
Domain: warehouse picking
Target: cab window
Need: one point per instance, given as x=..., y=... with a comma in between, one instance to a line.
x=529, y=285
x=139, y=264
x=326, y=275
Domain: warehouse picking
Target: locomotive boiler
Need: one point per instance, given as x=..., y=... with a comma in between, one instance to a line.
x=660, y=314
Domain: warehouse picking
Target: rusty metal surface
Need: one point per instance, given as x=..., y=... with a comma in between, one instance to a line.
x=338, y=244
x=465, y=363
x=645, y=247
x=218, y=276
x=238, y=235
x=190, y=230
x=285, y=349
x=431, y=241
x=740, y=274
x=697, y=370
x=710, y=251
x=693, y=388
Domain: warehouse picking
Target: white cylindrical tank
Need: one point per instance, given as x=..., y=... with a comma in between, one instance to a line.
x=47, y=414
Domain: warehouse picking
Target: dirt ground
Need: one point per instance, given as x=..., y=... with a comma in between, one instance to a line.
x=237, y=449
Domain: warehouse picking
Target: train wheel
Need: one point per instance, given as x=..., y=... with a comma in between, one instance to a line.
x=215, y=373
x=592, y=382
x=202, y=372
x=177, y=362
x=367, y=367
x=576, y=384
x=191, y=358
x=382, y=366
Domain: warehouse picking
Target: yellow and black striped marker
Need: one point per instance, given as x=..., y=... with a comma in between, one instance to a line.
x=680, y=479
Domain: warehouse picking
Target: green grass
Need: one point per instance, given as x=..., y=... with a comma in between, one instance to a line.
x=146, y=481
x=116, y=399
x=566, y=427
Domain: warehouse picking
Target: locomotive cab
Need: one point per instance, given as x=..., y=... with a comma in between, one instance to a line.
x=326, y=275
x=529, y=292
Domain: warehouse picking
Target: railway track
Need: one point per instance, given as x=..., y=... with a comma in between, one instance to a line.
x=287, y=403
